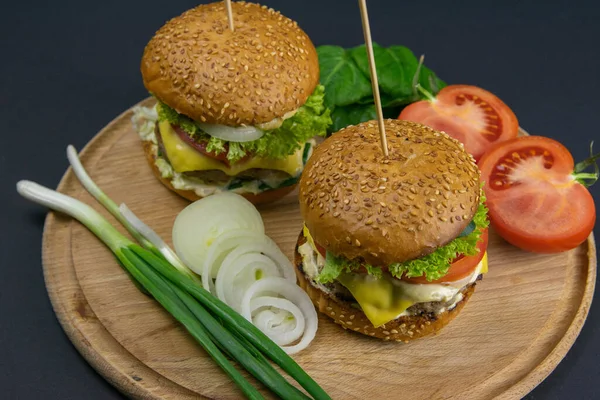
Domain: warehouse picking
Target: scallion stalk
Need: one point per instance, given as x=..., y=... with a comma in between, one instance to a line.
x=166, y=296
x=195, y=308
x=140, y=231
x=267, y=375
x=121, y=248
x=241, y=325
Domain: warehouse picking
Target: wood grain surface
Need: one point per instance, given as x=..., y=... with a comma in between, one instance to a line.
x=519, y=324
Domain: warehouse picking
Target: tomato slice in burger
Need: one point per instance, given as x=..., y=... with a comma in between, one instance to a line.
x=534, y=196
x=321, y=249
x=469, y=114
x=201, y=147
x=461, y=267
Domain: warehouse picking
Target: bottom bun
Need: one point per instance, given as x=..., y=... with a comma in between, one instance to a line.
x=264, y=197
x=402, y=329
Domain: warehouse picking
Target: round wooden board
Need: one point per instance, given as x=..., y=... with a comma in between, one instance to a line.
x=521, y=321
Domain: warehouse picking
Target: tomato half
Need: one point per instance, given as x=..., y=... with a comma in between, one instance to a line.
x=201, y=147
x=534, y=201
x=461, y=267
x=469, y=114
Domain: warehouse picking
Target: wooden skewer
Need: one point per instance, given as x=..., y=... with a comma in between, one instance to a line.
x=229, y=14
x=374, y=82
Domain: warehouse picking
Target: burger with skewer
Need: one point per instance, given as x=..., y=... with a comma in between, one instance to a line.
x=392, y=247
x=236, y=110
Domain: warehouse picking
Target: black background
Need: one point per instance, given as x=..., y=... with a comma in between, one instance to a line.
x=68, y=67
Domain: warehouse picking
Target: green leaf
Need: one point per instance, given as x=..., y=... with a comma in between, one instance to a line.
x=343, y=81
x=312, y=119
x=352, y=115
x=334, y=266
x=396, y=69
x=396, y=66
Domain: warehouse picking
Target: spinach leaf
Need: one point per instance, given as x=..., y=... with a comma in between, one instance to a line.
x=346, y=76
x=354, y=114
x=396, y=67
x=344, y=82
x=351, y=115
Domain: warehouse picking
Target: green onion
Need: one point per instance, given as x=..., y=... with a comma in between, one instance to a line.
x=140, y=231
x=240, y=324
x=178, y=292
x=165, y=295
x=267, y=375
x=121, y=247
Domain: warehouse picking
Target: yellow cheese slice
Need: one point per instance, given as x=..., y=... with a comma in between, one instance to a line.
x=308, y=237
x=380, y=299
x=484, y=264
x=184, y=157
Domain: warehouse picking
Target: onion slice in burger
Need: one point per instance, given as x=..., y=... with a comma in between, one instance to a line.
x=232, y=133
x=198, y=225
x=265, y=289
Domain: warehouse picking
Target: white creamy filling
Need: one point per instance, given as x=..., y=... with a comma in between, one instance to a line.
x=313, y=262
x=144, y=121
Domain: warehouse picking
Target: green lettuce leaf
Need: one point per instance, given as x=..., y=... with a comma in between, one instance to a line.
x=335, y=265
x=433, y=266
x=311, y=119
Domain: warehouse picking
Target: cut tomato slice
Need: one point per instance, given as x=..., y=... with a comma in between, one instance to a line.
x=200, y=146
x=534, y=200
x=469, y=114
x=321, y=249
x=461, y=267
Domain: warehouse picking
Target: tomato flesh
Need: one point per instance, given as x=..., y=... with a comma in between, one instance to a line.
x=534, y=202
x=472, y=115
x=321, y=250
x=201, y=147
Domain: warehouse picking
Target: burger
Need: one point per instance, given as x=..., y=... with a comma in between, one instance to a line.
x=392, y=247
x=235, y=110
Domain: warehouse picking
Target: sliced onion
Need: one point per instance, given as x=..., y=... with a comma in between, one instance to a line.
x=219, y=249
x=239, y=272
x=231, y=133
x=293, y=293
x=280, y=317
x=198, y=225
x=261, y=254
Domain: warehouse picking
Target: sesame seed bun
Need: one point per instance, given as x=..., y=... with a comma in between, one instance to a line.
x=262, y=70
x=360, y=205
x=267, y=196
x=402, y=329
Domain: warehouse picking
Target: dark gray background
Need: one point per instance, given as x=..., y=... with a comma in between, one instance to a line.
x=69, y=67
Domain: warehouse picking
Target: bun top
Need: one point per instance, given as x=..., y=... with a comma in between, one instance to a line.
x=262, y=70
x=360, y=205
